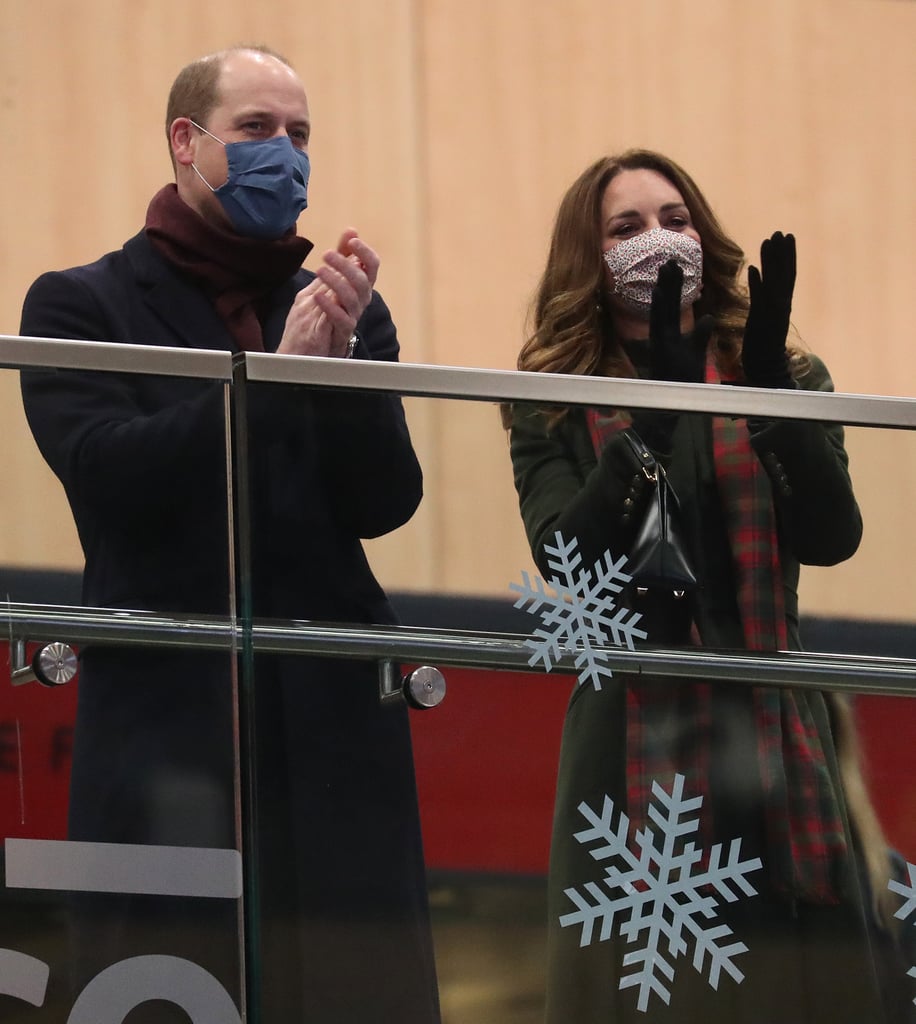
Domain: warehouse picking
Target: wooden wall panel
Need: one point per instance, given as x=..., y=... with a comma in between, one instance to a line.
x=84, y=88
x=790, y=115
x=446, y=132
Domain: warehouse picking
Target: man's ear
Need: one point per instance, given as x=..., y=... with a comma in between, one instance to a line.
x=183, y=139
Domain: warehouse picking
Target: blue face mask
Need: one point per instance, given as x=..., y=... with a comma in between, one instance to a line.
x=267, y=186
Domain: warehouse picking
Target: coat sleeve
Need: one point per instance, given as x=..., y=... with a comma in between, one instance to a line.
x=562, y=489
x=368, y=461
x=807, y=463
x=97, y=431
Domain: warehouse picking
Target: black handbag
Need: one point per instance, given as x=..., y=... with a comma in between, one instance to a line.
x=658, y=559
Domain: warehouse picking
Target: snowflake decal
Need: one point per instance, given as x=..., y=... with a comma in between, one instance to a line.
x=909, y=893
x=654, y=896
x=580, y=617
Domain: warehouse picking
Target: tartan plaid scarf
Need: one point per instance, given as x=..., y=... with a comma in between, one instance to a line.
x=806, y=840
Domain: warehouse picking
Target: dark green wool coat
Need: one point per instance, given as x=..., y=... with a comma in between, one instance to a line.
x=805, y=963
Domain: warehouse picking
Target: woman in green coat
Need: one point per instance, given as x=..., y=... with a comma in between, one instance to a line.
x=714, y=855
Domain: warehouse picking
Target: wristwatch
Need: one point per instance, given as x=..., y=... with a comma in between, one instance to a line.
x=351, y=346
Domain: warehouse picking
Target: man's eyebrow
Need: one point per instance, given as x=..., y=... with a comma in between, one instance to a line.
x=264, y=115
x=269, y=115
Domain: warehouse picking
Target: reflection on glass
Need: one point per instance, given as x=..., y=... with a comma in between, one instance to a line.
x=486, y=763
x=339, y=846
x=131, y=866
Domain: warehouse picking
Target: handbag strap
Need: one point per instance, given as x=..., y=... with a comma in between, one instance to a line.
x=647, y=460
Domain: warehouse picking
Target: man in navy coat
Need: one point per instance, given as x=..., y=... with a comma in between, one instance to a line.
x=341, y=892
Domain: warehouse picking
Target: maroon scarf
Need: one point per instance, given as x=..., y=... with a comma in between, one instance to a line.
x=234, y=271
x=806, y=841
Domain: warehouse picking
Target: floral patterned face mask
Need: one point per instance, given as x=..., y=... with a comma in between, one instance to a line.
x=635, y=263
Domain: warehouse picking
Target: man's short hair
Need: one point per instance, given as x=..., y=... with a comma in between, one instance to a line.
x=195, y=92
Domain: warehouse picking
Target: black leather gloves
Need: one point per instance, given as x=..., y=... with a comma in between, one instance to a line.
x=669, y=355
x=763, y=354
x=674, y=356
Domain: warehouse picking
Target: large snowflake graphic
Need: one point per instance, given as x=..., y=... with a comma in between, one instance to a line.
x=581, y=616
x=654, y=897
x=908, y=891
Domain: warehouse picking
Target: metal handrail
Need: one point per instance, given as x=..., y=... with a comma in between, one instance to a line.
x=471, y=384
x=568, y=389
x=53, y=353
x=413, y=645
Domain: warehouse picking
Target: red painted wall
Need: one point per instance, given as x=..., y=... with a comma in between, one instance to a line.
x=486, y=765
x=36, y=730
x=486, y=769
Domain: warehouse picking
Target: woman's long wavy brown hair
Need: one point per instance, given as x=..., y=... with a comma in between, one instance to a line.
x=572, y=326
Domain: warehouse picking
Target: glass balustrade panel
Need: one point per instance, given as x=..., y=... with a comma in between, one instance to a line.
x=119, y=807
x=613, y=827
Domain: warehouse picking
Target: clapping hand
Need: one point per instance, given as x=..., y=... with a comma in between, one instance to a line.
x=763, y=354
x=324, y=314
x=674, y=356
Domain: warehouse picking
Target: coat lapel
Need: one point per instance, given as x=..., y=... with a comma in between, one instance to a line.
x=189, y=316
